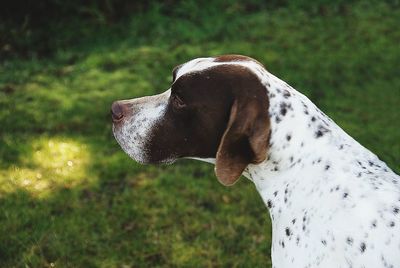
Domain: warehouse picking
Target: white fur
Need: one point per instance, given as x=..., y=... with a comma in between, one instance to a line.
x=207, y=160
x=318, y=194
x=194, y=65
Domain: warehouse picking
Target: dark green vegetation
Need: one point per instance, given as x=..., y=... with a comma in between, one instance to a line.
x=69, y=197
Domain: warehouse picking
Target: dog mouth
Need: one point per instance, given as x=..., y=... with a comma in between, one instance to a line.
x=138, y=149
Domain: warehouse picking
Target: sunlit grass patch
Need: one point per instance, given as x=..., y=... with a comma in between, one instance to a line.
x=53, y=162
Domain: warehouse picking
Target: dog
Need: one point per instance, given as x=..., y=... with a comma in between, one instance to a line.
x=332, y=202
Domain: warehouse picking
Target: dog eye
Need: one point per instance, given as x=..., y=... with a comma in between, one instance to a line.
x=178, y=102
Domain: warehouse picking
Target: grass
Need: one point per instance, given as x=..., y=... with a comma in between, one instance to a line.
x=69, y=196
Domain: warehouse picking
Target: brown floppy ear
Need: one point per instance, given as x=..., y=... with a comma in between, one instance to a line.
x=245, y=139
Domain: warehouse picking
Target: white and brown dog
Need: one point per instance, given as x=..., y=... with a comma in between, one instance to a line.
x=333, y=203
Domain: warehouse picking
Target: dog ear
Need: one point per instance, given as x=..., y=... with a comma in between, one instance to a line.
x=245, y=139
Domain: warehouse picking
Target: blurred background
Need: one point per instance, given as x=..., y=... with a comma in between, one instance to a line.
x=69, y=196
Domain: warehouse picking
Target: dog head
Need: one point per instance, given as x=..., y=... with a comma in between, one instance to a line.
x=215, y=108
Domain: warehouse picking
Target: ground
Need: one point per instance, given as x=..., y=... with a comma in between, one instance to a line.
x=69, y=196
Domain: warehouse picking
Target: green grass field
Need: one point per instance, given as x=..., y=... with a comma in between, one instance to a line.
x=69, y=196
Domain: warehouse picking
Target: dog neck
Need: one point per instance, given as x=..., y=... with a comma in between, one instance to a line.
x=308, y=155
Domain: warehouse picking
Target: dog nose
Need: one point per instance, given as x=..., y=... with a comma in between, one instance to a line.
x=117, y=111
